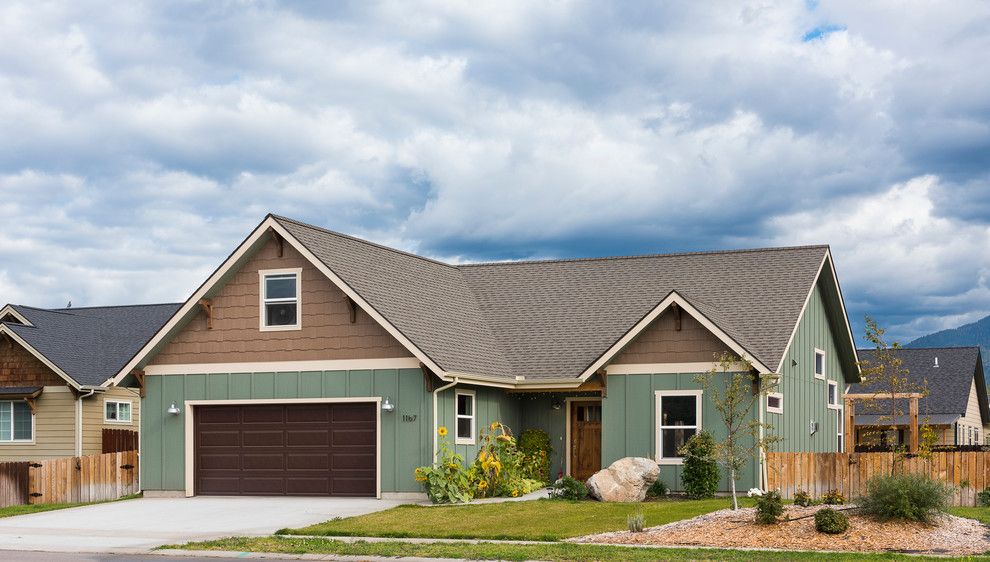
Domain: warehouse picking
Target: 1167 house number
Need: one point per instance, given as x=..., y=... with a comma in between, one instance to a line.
x=408, y=417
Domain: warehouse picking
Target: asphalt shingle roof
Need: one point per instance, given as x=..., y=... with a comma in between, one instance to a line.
x=552, y=319
x=948, y=385
x=91, y=344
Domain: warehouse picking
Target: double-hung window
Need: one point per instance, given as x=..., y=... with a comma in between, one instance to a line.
x=280, y=299
x=16, y=422
x=832, y=395
x=819, y=364
x=678, y=418
x=465, y=417
x=117, y=411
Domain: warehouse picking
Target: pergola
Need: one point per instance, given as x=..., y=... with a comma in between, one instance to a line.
x=850, y=426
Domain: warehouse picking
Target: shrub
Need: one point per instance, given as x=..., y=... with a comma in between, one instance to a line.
x=830, y=521
x=636, y=522
x=802, y=499
x=833, y=497
x=568, y=488
x=657, y=490
x=769, y=508
x=983, y=498
x=700, y=473
x=447, y=481
x=500, y=468
x=535, y=446
x=913, y=497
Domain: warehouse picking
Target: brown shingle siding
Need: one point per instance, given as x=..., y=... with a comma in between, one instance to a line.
x=19, y=368
x=661, y=342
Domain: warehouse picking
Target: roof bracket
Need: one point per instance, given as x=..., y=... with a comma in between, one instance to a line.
x=139, y=377
x=428, y=377
x=677, y=316
x=208, y=309
x=280, y=242
x=603, y=374
x=31, y=404
x=353, y=306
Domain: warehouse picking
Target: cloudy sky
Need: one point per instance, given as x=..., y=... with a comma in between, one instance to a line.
x=139, y=143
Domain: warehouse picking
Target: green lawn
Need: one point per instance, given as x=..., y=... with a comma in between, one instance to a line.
x=549, y=551
x=540, y=520
x=981, y=514
x=15, y=510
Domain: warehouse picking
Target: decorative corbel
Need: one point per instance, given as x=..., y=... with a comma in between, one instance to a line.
x=354, y=309
x=208, y=309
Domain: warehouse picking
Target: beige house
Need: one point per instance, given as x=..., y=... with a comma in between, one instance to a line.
x=52, y=364
x=955, y=405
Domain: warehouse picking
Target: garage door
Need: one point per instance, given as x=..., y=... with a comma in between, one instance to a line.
x=286, y=449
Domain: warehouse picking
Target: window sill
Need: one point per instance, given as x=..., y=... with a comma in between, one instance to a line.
x=463, y=441
x=280, y=328
x=119, y=422
x=820, y=377
x=775, y=411
x=31, y=442
x=835, y=407
x=670, y=461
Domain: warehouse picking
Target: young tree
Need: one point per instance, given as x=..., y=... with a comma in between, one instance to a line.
x=735, y=388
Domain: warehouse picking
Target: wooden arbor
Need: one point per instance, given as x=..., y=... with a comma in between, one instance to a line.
x=849, y=399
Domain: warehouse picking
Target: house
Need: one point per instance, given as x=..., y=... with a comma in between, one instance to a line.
x=52, y=366
x=956, y=405
x=311, y=362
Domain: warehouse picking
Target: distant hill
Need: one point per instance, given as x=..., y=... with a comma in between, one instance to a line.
x=977, y=333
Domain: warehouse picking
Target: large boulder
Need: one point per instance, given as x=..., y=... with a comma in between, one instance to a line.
x=626, y=480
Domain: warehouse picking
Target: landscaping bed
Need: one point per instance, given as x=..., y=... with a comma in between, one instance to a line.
x=947, y=534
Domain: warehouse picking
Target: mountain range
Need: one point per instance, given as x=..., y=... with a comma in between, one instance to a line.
x=977, y=333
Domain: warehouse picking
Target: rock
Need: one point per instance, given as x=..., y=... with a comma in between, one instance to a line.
x=626, y=480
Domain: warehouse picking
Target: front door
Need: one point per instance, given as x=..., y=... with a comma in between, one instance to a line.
x=586, y=439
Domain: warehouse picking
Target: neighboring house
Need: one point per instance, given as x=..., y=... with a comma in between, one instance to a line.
x=52, y=366
x=956, y=406
x=311, y=362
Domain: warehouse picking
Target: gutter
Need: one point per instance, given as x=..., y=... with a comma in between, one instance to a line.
x=78, y=436
x=436, y=392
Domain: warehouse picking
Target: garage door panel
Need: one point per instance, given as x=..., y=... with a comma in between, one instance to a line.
x=286, y=449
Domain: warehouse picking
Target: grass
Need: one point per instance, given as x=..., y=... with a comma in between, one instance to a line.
x=15, y=510
x=981, y=514
x=539, y=520
x=557, y=552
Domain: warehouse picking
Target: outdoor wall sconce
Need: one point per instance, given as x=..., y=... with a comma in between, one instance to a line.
x=813, y=427
x=387, y=405
x=556, y=405
x=173, y=409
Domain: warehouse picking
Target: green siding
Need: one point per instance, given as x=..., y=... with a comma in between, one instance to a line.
x=404, y=444
x=629, y=423
x=537, y=412
x=493, y=404
x=805, y=397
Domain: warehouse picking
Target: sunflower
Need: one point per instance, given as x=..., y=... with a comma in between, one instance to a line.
x=515, y=493
x=494, y=425
x=482, y=485
x=442, y=431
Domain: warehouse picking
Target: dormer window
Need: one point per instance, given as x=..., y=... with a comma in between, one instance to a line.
x=281, y=306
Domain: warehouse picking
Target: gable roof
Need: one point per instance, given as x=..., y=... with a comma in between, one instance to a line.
x=948, y=385
x=87, y=345
x=540, y=322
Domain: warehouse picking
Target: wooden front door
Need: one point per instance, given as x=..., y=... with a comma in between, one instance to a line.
x=586, y=439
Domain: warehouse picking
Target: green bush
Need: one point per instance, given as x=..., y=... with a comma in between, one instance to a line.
x=913, y=497
x=535, y=445
x=700, y=474
x=833, y=497
x=657, y=490
x=568, y=488
x=830, y=521
x=802, y=499
x=769, y=508
x=983, y=498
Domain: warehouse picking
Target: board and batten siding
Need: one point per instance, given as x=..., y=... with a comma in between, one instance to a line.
x=327, y=332
x=805, y=397
x=629, y=423
x=406, y=437
x=492, y=405
x=54, y=429
x=972, y=419
x=93, y=413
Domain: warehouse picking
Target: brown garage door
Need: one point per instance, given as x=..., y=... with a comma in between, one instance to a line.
x=286, y=449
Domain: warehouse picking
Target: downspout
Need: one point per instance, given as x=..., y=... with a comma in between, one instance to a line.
x=436, y=443
x=79, y=420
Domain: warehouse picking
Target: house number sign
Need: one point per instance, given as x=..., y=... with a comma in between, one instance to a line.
x=408, y=417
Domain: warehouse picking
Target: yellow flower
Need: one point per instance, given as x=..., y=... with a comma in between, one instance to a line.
x=515, y=493
x=482, y=456
x=494, y=425
x=442, y=431
x=421, y=479
x=482, y=485
x=452, y=465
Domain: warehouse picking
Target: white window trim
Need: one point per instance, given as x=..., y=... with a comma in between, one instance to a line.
x=262, y=273
x=814, y=364
x=34, y=429
x=458, y=440
x=130, y=411
x=838, y=401
x=779, y=396
x=658, y=437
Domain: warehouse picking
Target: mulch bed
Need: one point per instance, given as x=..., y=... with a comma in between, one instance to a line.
x=738, y=529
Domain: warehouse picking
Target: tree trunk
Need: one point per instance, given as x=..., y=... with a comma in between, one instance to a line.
x=732, y=476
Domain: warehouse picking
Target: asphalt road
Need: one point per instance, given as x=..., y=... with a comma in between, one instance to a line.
x=18, y=556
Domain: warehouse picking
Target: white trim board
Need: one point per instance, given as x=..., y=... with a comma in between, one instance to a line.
x=282, y=366
x=241, y=252
x=189, y=430
x=672, y=298
x=666, y=368
x=8, y=309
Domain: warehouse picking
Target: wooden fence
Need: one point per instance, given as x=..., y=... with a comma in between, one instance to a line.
x=817, y=473
x=71, y=480
x=117, y=440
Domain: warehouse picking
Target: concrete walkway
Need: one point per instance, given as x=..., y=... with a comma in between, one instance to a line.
x=141, y=524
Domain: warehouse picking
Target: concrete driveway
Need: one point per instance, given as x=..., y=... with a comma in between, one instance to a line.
x=141, y=524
